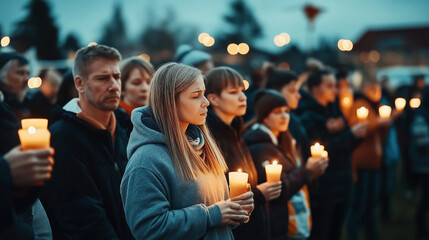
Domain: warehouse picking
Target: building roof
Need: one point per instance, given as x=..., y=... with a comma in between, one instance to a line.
x=415, y=37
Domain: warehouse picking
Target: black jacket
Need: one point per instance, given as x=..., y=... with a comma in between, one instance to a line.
x=40, y=106
x=237, y=155
x=21, y=109
x=83, y=199
x=293, y=179
x=299, y=133
x=124, y=120
x=335, y=184
x=15, y=203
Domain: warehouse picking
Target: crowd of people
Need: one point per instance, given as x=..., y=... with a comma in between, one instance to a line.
x=144, y=153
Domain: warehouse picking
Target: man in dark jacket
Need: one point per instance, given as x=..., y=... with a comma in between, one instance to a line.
x=83, y=199
x=325, y=124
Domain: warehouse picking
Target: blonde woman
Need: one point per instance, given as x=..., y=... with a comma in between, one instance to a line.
x=174, y=186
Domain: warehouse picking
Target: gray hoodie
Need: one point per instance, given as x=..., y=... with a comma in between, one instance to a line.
x=158, y=204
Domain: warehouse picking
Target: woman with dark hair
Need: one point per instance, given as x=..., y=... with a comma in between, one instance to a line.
x=286, y=83
x=225, y=91
x=269, y=139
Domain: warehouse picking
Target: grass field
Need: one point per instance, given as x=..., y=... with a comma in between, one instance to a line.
x=401, y=227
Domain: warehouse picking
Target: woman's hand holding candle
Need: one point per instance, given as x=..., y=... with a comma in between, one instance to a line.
x=246, y=202
x=232, y=213
x=270, y=190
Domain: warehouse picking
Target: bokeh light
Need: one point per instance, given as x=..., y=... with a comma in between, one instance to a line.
x=34, y=82
x=5, y=41
x=232, y=49
x=282, y=39
x=243, y=48
x=209, y=41
x=202, y=37
x=145, y=57
x=246, y=84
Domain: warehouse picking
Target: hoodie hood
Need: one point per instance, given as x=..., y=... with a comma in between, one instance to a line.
x=145, y=131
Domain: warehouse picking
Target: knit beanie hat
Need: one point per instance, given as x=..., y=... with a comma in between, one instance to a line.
x=6, y=57
x=266, y=101
x=191, y=57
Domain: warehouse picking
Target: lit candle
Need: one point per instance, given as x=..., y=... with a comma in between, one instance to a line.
x=346, y=97
x=400, y=104
x=38, y=123
x=33, y=138
x=325, y=154
x=316, y=150
x=415, y=102
x=384, y=111
x=362, y=113
x=237, y=183
x=273, y=172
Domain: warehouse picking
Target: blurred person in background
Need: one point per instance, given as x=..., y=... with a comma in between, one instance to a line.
x=286, y=83
x=258, y=76
x=225, y=91
x=185, y=54
x=14, y=71
x=44, y=100
x=67, y=90
x=136, y=75
x=325, y=124
x=269, y=139
x=366, y=163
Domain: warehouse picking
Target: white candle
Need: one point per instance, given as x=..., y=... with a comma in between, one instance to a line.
x=362, y=113
x=316, y=150
x=33, y=138
x=400, y=104
x=237, y=183
x=415, y=102
x=325, y=154
x=38, y=123
x=273, y=172
x=384, y=111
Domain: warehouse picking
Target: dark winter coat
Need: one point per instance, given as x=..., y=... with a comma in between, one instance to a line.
x=15, y=203
x=237, y=155
x=21, y=109
x=299, y=133
x=82, y=200
x=335, y=184
x=40, y=106
x=293, y=179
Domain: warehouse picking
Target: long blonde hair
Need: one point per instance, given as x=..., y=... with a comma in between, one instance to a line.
x=167, y=83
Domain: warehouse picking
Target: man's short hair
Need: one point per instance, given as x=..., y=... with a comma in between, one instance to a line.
x=315, y=78
x=86, y=55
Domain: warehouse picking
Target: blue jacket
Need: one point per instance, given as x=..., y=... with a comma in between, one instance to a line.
x=158, y=203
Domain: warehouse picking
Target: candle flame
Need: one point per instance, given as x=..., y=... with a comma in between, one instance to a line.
x=415, y=102
x=346, y=100
x=274, y=162
x=239, y=170
x=31, y=130
x=317, y=144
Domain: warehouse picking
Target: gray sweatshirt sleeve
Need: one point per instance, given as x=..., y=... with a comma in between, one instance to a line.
x=149, y=215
